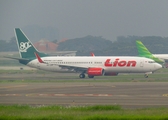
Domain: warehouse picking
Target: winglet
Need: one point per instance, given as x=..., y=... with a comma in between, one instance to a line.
x=92, y=54
x=38, y=57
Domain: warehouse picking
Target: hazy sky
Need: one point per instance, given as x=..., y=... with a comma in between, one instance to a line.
x=79, y=18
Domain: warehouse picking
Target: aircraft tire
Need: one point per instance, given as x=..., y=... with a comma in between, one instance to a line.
x=90, y=76
x=146, y=76
x=82, y=75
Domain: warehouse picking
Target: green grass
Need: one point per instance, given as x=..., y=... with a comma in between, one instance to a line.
x=26, y=76
x=99, y=112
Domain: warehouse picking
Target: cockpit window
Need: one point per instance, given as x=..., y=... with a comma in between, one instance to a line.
x=151, y=61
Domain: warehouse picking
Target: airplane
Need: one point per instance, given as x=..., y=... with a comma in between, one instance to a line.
x=92, y=66
x=144, y=52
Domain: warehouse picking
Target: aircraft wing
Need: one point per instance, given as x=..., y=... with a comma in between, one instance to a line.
x=74, y=68
x=69, y=67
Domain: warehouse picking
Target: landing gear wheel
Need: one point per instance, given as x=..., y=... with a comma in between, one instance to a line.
x=146, y=75
x=90, y=76
x=82, y=75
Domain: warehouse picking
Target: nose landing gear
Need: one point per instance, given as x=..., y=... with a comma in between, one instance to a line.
x=146, y=75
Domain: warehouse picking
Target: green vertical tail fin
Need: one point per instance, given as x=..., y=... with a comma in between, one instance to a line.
x=26, y=48
x=144, y=52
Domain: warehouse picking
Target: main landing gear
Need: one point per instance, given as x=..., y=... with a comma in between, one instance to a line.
x=82, y=75
x=90, y=76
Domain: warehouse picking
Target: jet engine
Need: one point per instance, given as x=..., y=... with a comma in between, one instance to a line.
x=95, y=71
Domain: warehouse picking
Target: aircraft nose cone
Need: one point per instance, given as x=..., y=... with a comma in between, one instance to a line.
x=158, y=66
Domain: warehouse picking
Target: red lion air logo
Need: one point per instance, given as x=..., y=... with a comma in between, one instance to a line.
x=119, y=63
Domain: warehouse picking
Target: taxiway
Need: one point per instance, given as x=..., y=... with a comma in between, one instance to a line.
x=126, y=94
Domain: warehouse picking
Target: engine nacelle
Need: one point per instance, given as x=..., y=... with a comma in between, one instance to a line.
x=111, y=74
x=95, y=71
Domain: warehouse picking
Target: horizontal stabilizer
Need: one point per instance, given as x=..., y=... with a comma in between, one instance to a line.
x=17, y=58
x=21, y=60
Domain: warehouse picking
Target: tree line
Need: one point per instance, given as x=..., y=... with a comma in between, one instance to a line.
x=124, y=45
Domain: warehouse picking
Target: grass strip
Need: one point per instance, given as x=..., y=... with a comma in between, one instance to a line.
x=98, y=112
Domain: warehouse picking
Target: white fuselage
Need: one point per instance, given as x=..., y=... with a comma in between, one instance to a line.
x=162, y=56
x=109, y=64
